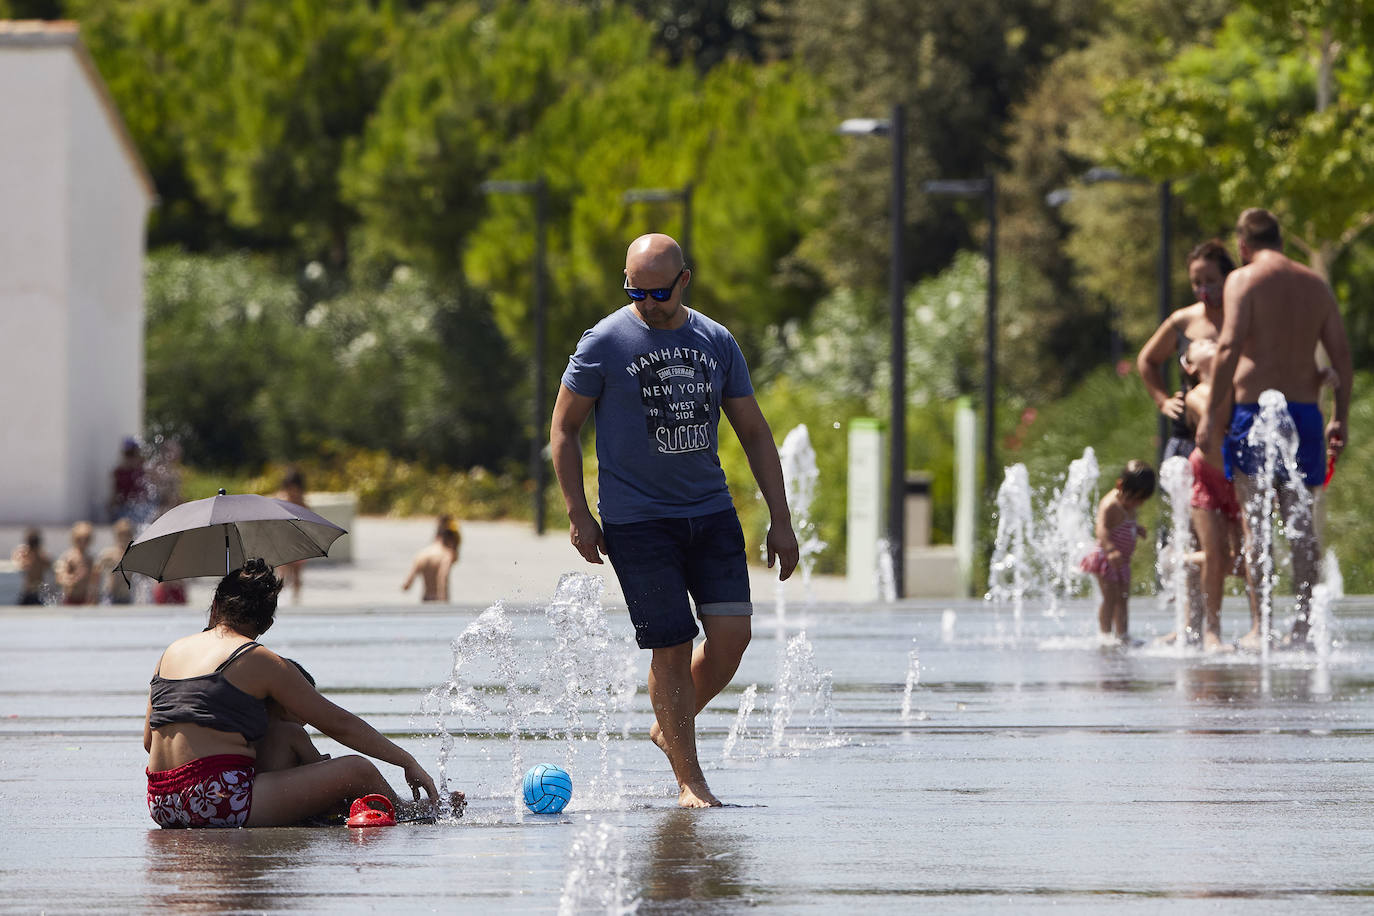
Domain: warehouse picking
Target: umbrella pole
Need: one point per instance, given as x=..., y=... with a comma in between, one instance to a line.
x=226, y=550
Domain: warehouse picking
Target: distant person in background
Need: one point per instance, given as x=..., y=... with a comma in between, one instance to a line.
x=1277, y=312
x=114, y=588
x=434, y=563
x=128, y=485
x=293, y=491
x=33, y=564
x=75, y=570
x=1117, y=531
x=169, y=592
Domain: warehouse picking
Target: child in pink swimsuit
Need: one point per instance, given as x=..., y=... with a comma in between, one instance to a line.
x=1117, y=532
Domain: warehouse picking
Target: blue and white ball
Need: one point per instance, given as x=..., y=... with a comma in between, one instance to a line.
x=547, y=788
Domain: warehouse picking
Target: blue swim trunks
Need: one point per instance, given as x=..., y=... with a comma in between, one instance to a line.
x=1304, y=418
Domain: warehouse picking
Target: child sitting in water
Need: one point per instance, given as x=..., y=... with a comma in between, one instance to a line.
x=286, y=744
x=1117, y=532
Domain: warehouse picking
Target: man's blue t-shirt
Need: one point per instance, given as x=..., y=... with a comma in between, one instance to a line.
x=658, y=395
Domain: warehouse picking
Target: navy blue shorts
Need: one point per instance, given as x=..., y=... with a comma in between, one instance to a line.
x=1304, y=420
x=661, y=561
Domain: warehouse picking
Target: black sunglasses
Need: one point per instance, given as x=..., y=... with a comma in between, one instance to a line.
x=658, y=295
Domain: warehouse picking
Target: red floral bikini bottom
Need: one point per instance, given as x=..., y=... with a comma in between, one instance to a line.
x=208, y=792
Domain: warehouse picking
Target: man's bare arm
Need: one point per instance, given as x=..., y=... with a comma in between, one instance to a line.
x=757, y=439
x=1338, y=351
x=570, y=412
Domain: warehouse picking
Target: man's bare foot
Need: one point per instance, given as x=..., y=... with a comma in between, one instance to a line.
x=1168, y=639
x=1252, y=641
x=1212, y=643
x=696, y=795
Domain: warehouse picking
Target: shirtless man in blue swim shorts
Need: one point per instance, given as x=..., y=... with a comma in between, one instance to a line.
x=1276, y=311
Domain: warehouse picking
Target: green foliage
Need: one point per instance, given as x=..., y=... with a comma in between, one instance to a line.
x=706, y=32
x=216, y=332
x=236, y=373
x=471, y=81
x=383, y=484
x=746, y=138
x=1257, y=118
x=958, y=66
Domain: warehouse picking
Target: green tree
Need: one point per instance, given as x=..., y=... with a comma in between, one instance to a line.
x=216, y=334
x=471, y=81
x=409, y=368
x=1274, y=112
x=1098, y=252
x=747, y=138
x=958, y=66
x=706, y=32
x=293, y=82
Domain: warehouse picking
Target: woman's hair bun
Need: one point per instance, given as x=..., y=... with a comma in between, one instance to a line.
x=247, y=597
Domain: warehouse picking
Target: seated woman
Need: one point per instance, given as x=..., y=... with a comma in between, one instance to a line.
x=206, y=709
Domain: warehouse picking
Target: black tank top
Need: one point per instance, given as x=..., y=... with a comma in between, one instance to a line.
x=1178, y=427
x=208, y=700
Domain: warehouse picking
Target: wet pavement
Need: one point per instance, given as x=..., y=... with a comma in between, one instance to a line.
x=1032, y=769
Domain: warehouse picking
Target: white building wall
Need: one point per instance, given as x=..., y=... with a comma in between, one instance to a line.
x=33, y=284
x=106, y=212
x=73, y=206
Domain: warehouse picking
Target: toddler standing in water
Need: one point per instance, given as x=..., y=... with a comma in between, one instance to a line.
x=1117, y=532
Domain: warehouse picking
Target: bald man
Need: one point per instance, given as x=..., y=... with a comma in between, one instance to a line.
x=658, y=374
x=1275, y=312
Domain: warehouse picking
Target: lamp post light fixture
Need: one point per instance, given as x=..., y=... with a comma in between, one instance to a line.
x=895, y=127
x=1101, y=174
x=539, y=190
x=660, y=195
x=986, y=188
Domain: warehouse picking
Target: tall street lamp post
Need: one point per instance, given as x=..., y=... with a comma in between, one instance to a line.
x=656, y=195
x=986, y=188
x=1101, y=174
x=896, y=483
x=538, y=189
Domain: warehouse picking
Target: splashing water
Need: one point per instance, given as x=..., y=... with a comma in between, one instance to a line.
x=1324, y=596
x=948, y=619
x=1274, y=432
x=1010, y=571
x=913, y=678
x=799, y=677
x=590, y=667
x=1176, y=486
x=1068, y=533
x=487, y=638
x=739, y=729
x=543, y=690
x=886, y=572
x=596, y=880
x=799, y=475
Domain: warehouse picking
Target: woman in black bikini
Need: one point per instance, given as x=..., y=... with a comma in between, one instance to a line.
x=1208, y=265
x=206, y=708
